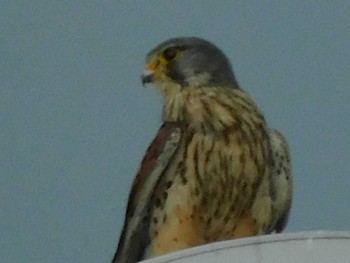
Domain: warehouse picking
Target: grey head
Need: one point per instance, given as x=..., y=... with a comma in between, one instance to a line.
x=189, y=61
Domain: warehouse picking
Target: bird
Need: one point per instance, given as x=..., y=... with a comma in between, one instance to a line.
x=210, y=174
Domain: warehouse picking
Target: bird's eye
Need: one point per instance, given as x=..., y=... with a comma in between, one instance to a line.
x=170, y=53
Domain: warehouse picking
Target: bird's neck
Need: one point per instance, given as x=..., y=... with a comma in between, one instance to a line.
x=208, y=108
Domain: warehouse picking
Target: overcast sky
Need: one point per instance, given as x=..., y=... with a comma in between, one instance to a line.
x=75, y=120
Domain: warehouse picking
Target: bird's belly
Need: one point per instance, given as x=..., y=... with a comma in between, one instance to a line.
x=205, y=196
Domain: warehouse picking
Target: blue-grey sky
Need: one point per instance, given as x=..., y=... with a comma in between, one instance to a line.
x=75, y=120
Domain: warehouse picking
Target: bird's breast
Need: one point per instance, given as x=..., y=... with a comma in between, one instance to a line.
x=207, y=189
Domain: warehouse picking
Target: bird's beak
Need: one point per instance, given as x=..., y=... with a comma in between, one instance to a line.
x=147, y=77
x=148, y=74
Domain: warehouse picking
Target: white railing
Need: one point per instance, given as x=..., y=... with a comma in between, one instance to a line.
x=303, y=247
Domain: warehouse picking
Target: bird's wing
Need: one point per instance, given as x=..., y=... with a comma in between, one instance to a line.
x=134, y=238
x=282, y=185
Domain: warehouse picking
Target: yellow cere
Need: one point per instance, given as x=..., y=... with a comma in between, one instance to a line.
x=150, y=67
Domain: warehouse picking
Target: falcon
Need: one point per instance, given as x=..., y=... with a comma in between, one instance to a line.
x=208, y=174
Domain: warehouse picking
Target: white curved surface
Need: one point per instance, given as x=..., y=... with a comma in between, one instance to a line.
x=303, y=247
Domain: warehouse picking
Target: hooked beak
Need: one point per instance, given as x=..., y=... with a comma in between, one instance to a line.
x=148, y=74
x=147, y=77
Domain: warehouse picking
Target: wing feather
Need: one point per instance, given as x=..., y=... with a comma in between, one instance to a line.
x=282, y=185
x=134, y=238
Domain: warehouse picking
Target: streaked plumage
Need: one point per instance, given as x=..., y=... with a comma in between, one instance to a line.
x=207, y=174
x=282, y=184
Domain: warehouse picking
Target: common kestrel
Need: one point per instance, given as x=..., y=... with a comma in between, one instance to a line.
x=208, y=174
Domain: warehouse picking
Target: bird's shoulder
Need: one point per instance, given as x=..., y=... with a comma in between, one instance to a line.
x=155, y=161
x=156, y=158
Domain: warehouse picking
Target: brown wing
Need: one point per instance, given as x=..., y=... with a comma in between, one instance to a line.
x=134, y=238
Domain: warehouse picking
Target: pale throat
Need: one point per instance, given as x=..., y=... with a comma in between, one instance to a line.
x=198, y=107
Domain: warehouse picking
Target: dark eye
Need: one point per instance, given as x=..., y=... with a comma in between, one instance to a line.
x=170, y=53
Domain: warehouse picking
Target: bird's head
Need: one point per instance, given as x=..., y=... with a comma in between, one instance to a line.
x=188, y=61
